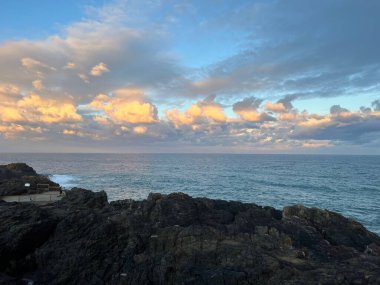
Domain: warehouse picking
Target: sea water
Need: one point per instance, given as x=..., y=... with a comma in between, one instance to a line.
x=349, y=185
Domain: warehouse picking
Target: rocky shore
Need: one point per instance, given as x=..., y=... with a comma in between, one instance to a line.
x=13, y=178
x=177, y=239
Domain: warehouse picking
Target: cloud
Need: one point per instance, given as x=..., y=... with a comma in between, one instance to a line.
x=31, y=64
x=315, y=121
x=140, y=130
x=91, y=48
x=275, y=107
x=289, y=49
x=38, y=85
x=69, y=65
x=82, y=134
x=247, y=110
x=12, y=131
x=206, y=109
x=126, y=106
x=38, y=109
x=113, y=74
x=316, y=144
x=9, y=131
x=337, y=109
x=99, y=69
x=341, y=125
x=9, y=89
x=33, y=108
x=376, y=105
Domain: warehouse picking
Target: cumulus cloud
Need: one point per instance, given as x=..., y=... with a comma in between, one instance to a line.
x=38, y=109
x=99, y=69
x=337, y=109
x=38, y=85
x=34, y=108
x=247, y=110
x=341, y=125
x=126, y=106
x=206, y=109
x=275, y=107
x=9, y=131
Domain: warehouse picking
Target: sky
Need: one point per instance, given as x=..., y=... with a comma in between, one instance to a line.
x=211, y=76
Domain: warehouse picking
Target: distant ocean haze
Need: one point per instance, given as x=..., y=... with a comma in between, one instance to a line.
x=349, y=185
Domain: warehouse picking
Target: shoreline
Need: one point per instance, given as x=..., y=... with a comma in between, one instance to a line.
x=177, y=239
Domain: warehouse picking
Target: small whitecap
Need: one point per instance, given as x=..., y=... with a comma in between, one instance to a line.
x=66, y=181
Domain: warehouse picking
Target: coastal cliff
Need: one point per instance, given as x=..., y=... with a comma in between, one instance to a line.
x=177, y=239
x=14, y=176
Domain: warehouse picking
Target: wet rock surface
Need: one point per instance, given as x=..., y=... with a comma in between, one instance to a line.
x=177, y=239
x=14, y=176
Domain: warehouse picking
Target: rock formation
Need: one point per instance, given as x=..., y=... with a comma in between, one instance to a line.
x=177, y=239
x=14, y=176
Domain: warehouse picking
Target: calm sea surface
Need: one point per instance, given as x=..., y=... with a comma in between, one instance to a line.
x=346, y=184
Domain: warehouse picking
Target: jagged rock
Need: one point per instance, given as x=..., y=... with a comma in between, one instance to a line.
x=16, y=170
x=333, y=227
x=83, y=198
x=177, y=239
x=14, y=176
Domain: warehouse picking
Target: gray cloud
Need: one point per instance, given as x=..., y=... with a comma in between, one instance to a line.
x=64, y=63
x=337, y=109
x=376, y=105
x=247, y=109
x=320, y=48
x=250, y=103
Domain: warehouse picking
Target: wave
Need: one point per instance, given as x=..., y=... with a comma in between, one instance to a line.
x=65, y=181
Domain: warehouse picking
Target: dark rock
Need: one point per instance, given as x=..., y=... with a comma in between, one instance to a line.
x=16, y=170
x=333, y=227
x=83, y=198
x=14, y=176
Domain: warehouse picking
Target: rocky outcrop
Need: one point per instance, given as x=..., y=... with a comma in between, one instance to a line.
x=14, y=176
x=177, y=239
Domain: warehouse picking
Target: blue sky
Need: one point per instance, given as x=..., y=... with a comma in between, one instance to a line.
x=38, y=19
x=236, y=76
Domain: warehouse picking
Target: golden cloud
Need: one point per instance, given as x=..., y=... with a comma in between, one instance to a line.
x=275, y=107
x=38, y=85
x=33, y=108
x=140, y=130
x=250, y=115
x=9, y=89
x=10, y=131
x=206, y=109
x=38, y=109
x=126, y=106
x=99, y=69
x=31, y=63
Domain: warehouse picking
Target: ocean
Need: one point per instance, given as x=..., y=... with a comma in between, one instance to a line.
x=349, y=185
